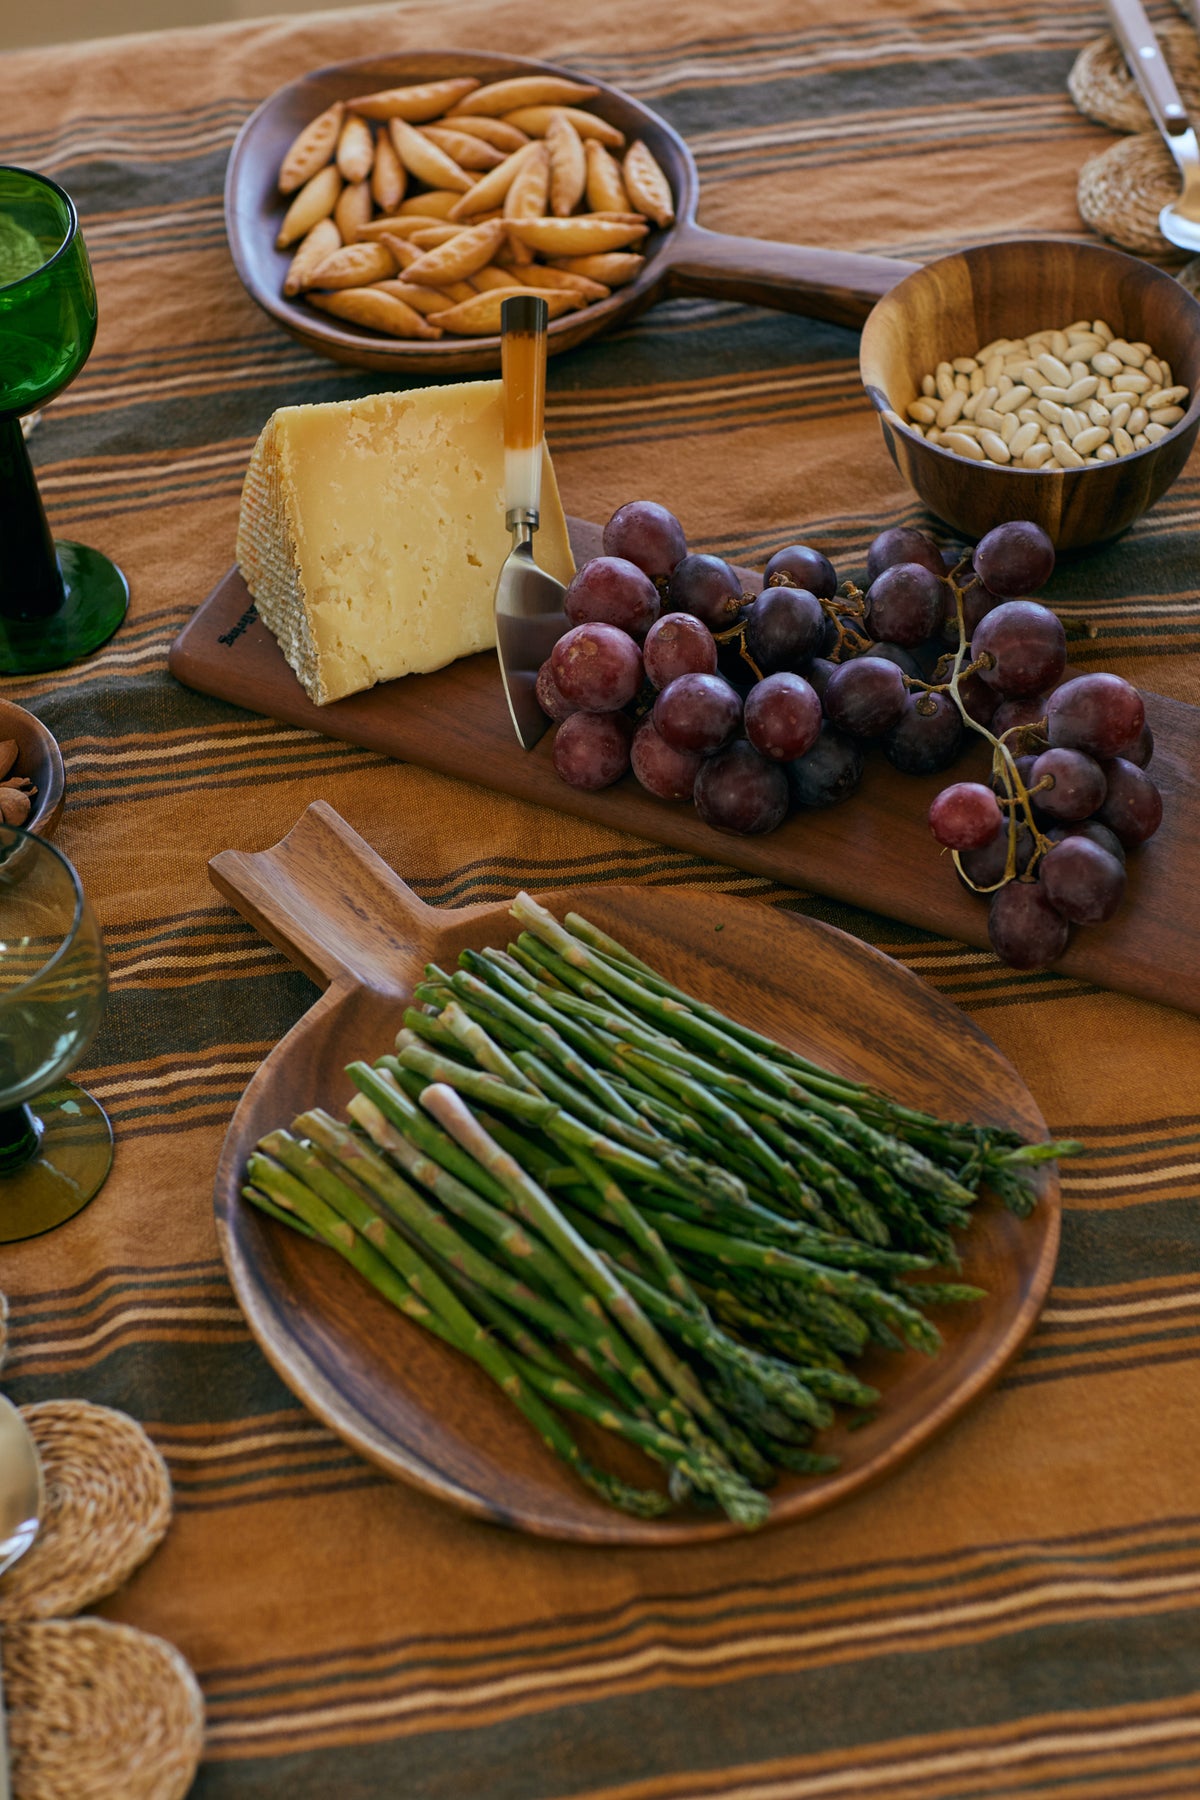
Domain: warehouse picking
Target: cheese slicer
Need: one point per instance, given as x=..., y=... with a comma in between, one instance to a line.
x=529, y=614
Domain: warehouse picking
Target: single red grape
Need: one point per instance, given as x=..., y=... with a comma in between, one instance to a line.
x=609, y=590
x=1027, y=647
x=678, y=644
x=1077, y=785
x=553, y=704
x=738, y=790
x=648, y=535
x=708, y=587
x=1025, y=930
x=904, y=604
x=819, y=671
x=904, y=659
x=966, y=816
x=978, y=602
x=829, y=772
x=597, y=667
x=1015, y=558
x=1091, y=828
x=1143, y=750
x=1133, y=806
x=1082, y=881
x=798, y=565
x=1100, y=714
x=591, y=750
x=668, y=773
x=1025, y=715
x=984, y=868
x=927, y=736
x=865, y=697
x=902, y=544
x=697, y=712
x=980, y=702
x=785, y=627
x=783, y=716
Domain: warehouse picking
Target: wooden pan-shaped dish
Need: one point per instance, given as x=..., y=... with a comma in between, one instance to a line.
x=426, y=1414
x=684, y=259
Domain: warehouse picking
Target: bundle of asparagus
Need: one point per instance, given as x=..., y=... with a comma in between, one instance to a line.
x=627, y=1207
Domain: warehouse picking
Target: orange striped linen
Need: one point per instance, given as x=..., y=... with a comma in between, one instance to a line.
x=1016, y=1613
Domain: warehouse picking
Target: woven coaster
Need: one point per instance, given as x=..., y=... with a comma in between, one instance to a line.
x=1122, y=191
x=108, y=1505
x=99, y=1712
x=1103, y=89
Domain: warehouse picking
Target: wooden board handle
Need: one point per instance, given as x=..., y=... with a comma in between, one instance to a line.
x=837, y=285
x=335, y=909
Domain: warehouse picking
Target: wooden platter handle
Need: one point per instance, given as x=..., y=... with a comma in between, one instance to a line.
x=838, y=285
x=335, y=909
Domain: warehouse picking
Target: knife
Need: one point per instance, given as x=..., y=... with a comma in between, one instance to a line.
x=529, y=603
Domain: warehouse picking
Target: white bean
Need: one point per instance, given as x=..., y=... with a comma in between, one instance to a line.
x=994, y=446
x=950, y=409
x=963, y=365
x=1165, y=415
x=1054, y=370
x=1016, y=396
x=963, y=445
x=1155, y=431
x=1072, y=422
x=1010, y=427
x=987, y=415
x=1132, y=355
x=1153, y=368
x=928, y=386
x=924, y=412
x=1090, y=440
x=1132, y=381
x=1079, y=371
x=1023, y=440
x=1105, y=363
x=1083, y=389
x=1036, y=456
x=1122, y=441
x=944, y=377
x=993, y=370
x=1103, y=331
x=1050, y=409
x=1050, y=392
x=1066, y=457
x=1098, y=413
x=1106, y=453
x=1141, y=441
x=1137, y=420
x=1121, y=412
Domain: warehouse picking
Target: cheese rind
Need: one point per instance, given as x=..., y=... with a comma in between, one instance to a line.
x=372, y=532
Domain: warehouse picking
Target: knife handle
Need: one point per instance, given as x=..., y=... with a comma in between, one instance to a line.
x=523, y=322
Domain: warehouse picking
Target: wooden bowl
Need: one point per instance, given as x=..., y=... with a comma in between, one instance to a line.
x=959, y=302
x=39, y=758
x=684, y=259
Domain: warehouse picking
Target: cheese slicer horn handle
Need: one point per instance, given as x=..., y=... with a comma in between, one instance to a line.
x=523, y=322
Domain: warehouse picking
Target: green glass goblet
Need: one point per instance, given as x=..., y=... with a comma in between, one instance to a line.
x=55, y=1141
x=58, y=602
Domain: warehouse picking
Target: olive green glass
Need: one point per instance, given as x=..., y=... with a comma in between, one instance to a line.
x=55, y=1140
x=58, y=602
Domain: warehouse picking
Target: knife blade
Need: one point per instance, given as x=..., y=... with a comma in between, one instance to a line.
x=529, y=603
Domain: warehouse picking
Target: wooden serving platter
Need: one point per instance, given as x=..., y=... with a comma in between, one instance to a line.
x=429, y=1416
x=874, y=851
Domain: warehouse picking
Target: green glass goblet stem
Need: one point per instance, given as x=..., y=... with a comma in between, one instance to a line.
x=31, y=585
x=58, y=602
x=55, y=1141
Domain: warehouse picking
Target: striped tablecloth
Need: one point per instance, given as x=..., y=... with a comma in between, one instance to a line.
x=1017, y=1612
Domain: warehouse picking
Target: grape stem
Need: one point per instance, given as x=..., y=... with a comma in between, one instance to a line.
x=1016, y=798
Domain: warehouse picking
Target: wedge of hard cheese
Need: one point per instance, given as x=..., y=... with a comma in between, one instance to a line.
x=372, y=532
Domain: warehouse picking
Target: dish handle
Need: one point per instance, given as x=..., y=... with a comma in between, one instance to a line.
x=839, y=285
x=335, y=909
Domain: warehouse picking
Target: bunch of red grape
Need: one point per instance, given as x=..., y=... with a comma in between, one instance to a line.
x=751, y=705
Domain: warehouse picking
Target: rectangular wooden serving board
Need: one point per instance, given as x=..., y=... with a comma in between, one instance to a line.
x=874, y=851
